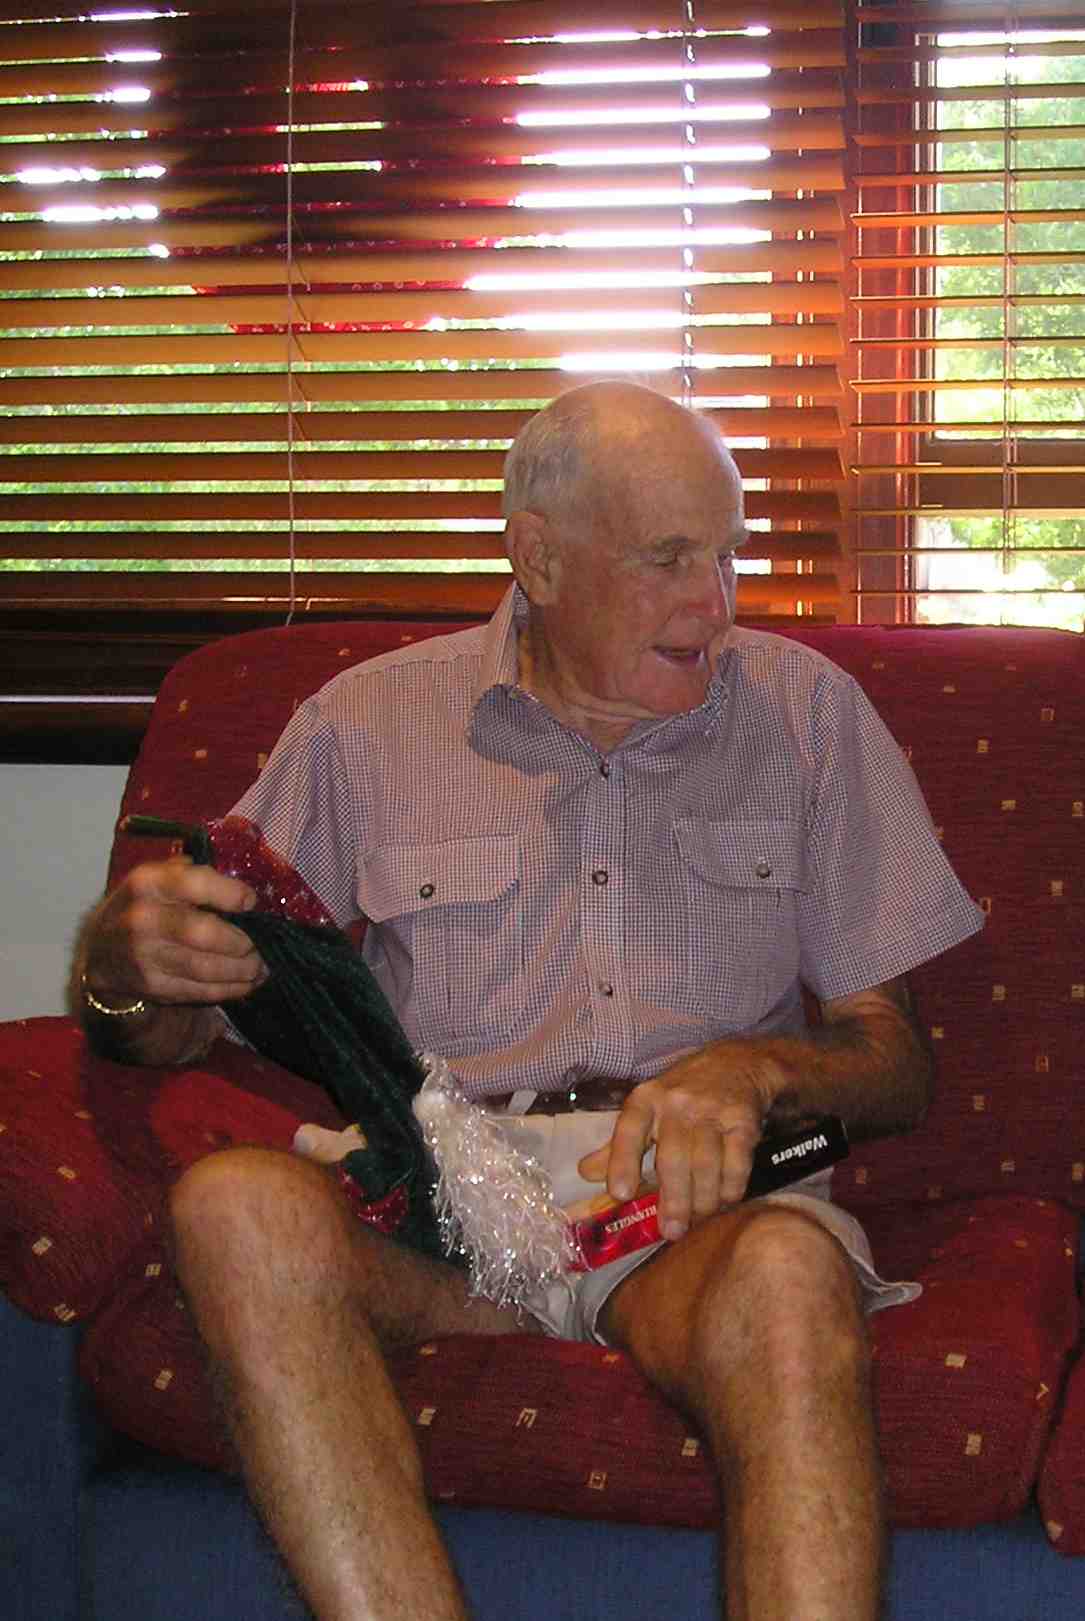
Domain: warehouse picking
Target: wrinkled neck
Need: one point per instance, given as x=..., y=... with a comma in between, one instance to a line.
x=546, y=678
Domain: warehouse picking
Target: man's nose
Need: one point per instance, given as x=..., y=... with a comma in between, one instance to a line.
x=712, y=592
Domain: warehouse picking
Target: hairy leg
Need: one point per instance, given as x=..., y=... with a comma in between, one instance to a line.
x=296, y=1303
x=753, y=1324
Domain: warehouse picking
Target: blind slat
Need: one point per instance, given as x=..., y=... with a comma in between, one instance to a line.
x=1012, y=174
x=269, y=305
x=658, y=120
x=1022, y=135
x=1051, y=382
x=353, y=465
x=250, y=57
x=806, y=382
x=498, y=186
x=435, y=268
x=309, y=427
x=326, y=426
x=994, y=508
x=542, y=15
x=398, y=506
x=936, y=261
x=397, y=593
x=389, y=594
x=790, y=98
x=189, y=349
x=959, y=15
x=466, y=226
x=1054, y=302
x=781, y=547
x=903, y=221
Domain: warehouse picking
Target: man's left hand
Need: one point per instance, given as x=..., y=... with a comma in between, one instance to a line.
x=705, y=1115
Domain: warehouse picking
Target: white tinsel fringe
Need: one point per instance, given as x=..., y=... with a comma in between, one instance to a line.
x=493, y=1203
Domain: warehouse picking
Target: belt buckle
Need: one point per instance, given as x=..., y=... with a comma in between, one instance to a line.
x=597, y=1094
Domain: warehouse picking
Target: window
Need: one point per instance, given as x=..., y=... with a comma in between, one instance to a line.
x=280, y=283
x=970, y=351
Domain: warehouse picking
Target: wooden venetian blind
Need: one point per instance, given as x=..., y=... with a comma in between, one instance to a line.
x=280, y=282
x=969, y=359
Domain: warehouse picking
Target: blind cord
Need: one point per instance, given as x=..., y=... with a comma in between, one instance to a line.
x=688, y=93
x=1009, y=160
x=291, y=313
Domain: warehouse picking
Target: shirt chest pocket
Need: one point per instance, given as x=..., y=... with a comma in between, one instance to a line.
x=742, y=881
x=454, y=911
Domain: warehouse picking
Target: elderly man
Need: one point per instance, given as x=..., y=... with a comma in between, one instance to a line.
x=605, y=837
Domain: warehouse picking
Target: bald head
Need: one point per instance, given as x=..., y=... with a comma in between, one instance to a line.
x=623, y=514
x=579, y=453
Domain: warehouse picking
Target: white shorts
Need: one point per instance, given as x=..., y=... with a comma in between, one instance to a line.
x=570, y=1308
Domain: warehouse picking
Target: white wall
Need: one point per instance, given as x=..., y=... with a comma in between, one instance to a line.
x=57, y=828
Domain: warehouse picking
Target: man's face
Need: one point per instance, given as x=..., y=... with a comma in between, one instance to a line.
x=647, y=593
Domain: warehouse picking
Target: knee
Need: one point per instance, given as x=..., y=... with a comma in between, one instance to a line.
x=789, y=1256
x=248, y=1200
x=786, y=1301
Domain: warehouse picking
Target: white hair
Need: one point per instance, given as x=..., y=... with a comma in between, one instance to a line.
x=557, y=465
x=546, y=465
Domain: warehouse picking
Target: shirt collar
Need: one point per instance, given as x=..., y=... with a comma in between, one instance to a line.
x=499, y=667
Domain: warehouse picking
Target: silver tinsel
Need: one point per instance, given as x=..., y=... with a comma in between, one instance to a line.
x=494, y=1203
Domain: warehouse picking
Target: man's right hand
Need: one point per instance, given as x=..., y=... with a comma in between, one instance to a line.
x=158, y=935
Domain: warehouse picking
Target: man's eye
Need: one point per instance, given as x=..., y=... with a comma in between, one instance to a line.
x=666, y=560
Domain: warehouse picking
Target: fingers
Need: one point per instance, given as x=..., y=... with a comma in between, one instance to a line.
x=703, y=1153
x=593, y=1167
x=702, y=1166
x=704, y=1137
x=633, y=1134
x=180, y=881
x=181, y=924
x=160, y=935
x=600, y=1204
x=188, y=969
x=707, y=1151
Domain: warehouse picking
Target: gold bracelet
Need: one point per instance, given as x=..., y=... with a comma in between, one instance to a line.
x=93, y=1003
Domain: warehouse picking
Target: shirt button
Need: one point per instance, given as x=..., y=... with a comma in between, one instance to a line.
x=606, y=989
x=427, y=890
x=600, y=876
x=763, y=869
x=604, y=769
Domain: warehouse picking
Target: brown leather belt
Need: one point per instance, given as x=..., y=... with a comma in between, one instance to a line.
x=593, y=1095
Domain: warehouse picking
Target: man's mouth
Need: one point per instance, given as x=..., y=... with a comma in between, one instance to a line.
x=686, y=657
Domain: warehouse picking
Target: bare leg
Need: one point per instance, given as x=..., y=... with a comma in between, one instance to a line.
x=753, y=1324
x=295, y=1301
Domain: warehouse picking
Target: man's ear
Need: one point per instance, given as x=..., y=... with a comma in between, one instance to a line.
x=535, y=554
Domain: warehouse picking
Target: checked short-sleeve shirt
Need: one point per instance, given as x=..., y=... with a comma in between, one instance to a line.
x=540, y=912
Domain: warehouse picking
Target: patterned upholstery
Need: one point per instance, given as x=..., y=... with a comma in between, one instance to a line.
x=1061, y=1490
x=88, y=1150
x=976, y=1203
x=994, y=724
